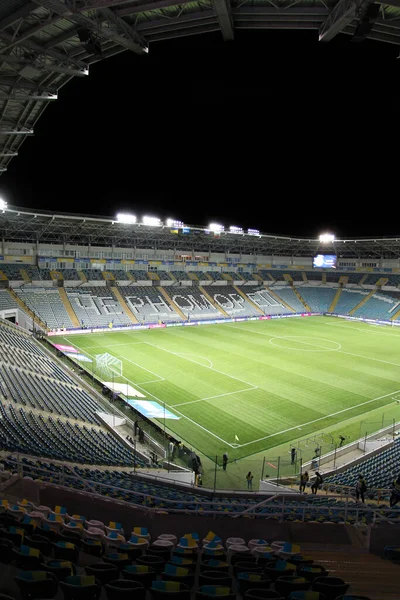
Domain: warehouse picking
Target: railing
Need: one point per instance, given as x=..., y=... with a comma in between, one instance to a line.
x=280, y=509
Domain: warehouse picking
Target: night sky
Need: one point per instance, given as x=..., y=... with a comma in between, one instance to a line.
x=273, y=131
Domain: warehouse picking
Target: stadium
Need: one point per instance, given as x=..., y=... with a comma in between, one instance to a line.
x=189, y=411
x=131, y=368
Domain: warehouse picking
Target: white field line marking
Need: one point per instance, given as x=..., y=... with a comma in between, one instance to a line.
x=143, y=368
x=386, y=362
x=218, y=396
x=196, y=363
x=383, y=329
x=170, y=407
x=320, y=418
x=184, y=354
x=153, y=381
x=115, y=345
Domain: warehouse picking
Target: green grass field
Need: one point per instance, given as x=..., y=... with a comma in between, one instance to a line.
x=267, y=382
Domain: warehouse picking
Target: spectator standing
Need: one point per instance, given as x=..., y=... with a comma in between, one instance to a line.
x=249, y=478
x=317, y=482
x=303, y=481
x=225, y=459
x=361, y=487
x=171, y=449
x=293, y=455
x=395, y=495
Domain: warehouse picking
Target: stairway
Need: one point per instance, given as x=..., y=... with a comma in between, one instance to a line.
x=363, y=301
x=367, y=574
x=25, y=276
x=82, y=276
x=279, y=299
x=56, y=275
x=124, y=305
x=239, y=291
x=304, y=276
x=335, y=300
x=26, y=309
x=67, y=304
x=381, y=282
x=395, y=316
x=170, y=302
x=304, y=303
x=210, y=299
x=108, y=276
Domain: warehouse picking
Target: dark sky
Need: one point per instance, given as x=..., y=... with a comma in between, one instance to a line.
x=273, y=131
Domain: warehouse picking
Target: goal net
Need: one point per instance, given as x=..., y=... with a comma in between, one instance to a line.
x=107, y=365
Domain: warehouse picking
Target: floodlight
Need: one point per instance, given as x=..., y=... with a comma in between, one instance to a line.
x=126, y=218
x=151, y=221
x=3, y=204
x=234, y=229
x=215, y=227
x=326, y=238
x=253, y=232
x=174, y=223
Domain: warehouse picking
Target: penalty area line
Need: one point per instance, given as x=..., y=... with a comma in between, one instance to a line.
x=321, y=418
x=169, y=406
x=250, y=389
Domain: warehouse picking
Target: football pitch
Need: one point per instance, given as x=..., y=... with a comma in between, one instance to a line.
x=258, y=386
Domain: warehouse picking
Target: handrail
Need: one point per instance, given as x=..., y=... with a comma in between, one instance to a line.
x=202, y=505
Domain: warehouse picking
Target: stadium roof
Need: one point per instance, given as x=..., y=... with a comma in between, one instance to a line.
x=21, y=225
x=44, y=43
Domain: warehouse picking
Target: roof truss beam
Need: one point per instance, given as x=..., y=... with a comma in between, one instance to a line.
x=111, y=28
x=8, y=152
x=5, y=130
x=41, y=64
x=341, y=15
x=224, y=14
x=22, y=13
x=38, y=50
x=17, y=83
x=149, y=6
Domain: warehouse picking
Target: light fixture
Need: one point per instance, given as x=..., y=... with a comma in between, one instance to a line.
x=326, y=238
x=126, y=218
x=151, y=221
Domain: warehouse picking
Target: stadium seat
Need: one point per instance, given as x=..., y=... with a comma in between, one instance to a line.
x=121, y=588
x=36, y=584
x=330, y=587
x=77, y=587
x=161, y=590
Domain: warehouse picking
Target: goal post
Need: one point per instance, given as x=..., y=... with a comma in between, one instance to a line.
x=108, y=365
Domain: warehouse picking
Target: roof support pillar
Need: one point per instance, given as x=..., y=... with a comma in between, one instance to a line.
x=342, y=14
x=224, y=14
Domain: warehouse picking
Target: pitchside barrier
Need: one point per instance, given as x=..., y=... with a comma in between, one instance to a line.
x=65, y=331
x=348, y=511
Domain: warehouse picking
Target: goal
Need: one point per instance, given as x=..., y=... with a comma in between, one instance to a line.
x=107, y=365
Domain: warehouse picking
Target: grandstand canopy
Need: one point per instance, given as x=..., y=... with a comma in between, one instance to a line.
x=20, y=225
x=44, y=43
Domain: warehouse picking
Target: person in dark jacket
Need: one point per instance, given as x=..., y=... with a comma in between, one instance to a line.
x=395, y=495
x=303, y=481
x=316, y=484
x=361, y=487
x=225, y=460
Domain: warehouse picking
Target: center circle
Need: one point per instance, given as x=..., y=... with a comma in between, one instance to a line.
x=304, y=343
